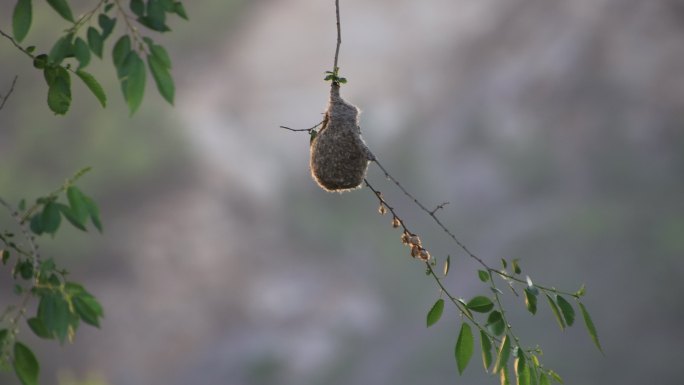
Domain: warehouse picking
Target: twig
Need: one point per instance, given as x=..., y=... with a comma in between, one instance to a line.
x=303, y=129
x=4, y=98
x=10, y=38
x=339, y=35
x=439, y=207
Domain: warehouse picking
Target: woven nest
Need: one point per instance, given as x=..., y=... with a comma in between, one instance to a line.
x=339, y=157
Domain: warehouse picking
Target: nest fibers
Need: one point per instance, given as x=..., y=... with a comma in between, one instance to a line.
x=339, y=157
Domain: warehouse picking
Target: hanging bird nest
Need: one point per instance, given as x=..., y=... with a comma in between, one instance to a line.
x=339, y=157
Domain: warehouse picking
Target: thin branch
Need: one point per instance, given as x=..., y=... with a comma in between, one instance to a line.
x=10, y=38
x=430, y=213
x=439, y=207
x=339, y=35
x=303, y=129
x=4, y=98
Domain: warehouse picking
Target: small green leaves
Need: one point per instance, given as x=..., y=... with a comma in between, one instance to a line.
x=38, y=328
x=50, y=218
x=464, y=347
x=179, y=10
x=93, y=86
x=21, y=19
x=555, y=376
x=61, y=49
x=516, y=266
x=486, y=345
x=137, y=7
x=54, y=312
x=495, y=323
x=81, y=52
x=522, y=372
x=544, y=379
x=503, y=354
x=107, y=24
x=556, y=312
x=503, y=376
x=530, y=300
x=95, y=41
x=590, y=326
x=131, y=72
x=334, y=76
x=59, y=89
x=480, y=304
x=435, y=312
x=25, y=364
x=62, y=8
x=566, y=309
x=160, y=64
x=483, y=275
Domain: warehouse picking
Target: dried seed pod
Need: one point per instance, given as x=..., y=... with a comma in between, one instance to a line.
x=424, y=255
x=382, y=210
x=415, y=240
x=339, y=157
x=396, y=222
x=415, y=251
x=405, y=238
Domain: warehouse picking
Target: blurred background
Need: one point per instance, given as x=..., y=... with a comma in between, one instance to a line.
x=553, y=128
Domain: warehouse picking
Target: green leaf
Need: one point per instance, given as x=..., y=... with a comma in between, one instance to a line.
x=566, y=309
x=36, y=224
x=590, y=326
x=480, y=304
x=530, y=301
x=94, y=213
x=137, y=7
x=4, y=256
x=133, y=83
x=180, y=10
x=62, y=8
x=59, y=90
x=3, y=336
x=556, y=312
x=464, y=347
x=21, y=19
x=25, y=364
x=61, y=49
x=484, y=276
x=93, y=86
x=39, y=328
x=155, y=18
x=435, y=312
x=160, y=53
x=107, y=24
x=495, y=323
x=486, y=346
x=503, y=354
x=54, y=312
x=40, y=61
x=504, y=377
x=447, y=265
x=121, y=49
x=503, y=263
x=162, y=77
x=522, y=372
x=555, y=376
x=81, y=52
x=516, y=267
x=50, y=218
x=95, y=41
x=544, y=379
x=84, y=309
x=68, y=213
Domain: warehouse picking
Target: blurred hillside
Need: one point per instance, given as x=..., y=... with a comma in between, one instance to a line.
x=554, y=129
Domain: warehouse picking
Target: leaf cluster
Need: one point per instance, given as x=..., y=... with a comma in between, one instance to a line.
x=72, y=52
x=498, y=343
x=62, y=304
